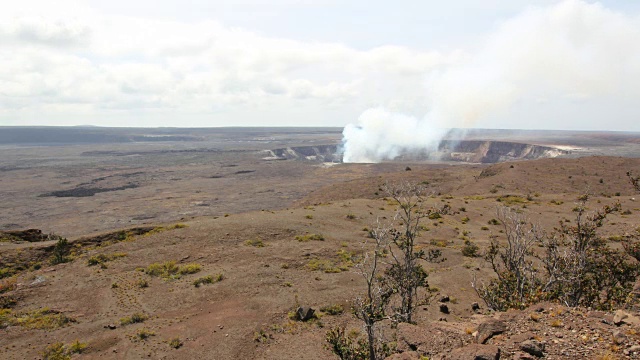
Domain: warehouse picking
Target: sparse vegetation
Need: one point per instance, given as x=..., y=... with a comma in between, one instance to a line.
x=133, y=319
x=255, y=243
x=143, y=334
x=175, y=343
x=470, y=249
x=55, y=351
x=169, y=269
x=309, y=237
x=101, y=259
x=335, y=309
x=209, y=279
x=44, y=319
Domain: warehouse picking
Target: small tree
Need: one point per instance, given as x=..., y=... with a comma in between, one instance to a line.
x=372, y=307
x=60, y=252
x=518, y=283
x=580, y=268
x=405, y=273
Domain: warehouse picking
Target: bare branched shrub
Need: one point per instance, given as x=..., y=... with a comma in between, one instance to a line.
x=580, y=268
x=371, y=308
x=518, y=283
x=405, y=273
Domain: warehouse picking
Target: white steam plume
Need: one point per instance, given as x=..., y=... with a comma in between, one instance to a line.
x=572, y=55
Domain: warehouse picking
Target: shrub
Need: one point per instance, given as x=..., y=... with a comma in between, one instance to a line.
x=255, y=243
x=175, y=343
x=55, y=351
x=308, y=237
x=208, y=280
x=335, y=309
x=470, y=249
x=100, y=259
x=60, y=252
x=143, y=334
x=77, y=347
x=133, y=319
x=7, y=285
x=45, y=319
x=345, y=347
x=189, y=269
x=578, y=267
x=351, y=216
x=142, y=283
x=169, y=269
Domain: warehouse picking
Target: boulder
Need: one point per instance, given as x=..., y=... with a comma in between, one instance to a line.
x=622, y=317
x=475, y=306
x=444, y=308
x=533, y=347
x=305, y=313
x=490, y=328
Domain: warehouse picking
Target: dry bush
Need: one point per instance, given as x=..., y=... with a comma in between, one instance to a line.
x=577, y=267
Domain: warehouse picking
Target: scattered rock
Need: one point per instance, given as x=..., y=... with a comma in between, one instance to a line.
x=475, y=352
x=305, y=313
x=489, y=328
x=533, y=347
x=444, y=298
x=110, y=326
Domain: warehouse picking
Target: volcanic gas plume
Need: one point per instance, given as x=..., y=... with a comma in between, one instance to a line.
x=534, y=70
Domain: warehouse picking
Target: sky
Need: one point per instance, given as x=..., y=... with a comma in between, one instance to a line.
x=372, y=66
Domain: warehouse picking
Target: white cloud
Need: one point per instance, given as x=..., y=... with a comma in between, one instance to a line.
x=111, y=63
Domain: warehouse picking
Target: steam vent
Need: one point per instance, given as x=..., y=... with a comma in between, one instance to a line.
x=470, y=151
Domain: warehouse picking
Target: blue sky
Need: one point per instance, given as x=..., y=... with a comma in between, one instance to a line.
x=505, y=64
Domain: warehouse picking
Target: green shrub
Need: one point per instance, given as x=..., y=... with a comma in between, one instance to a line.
x=308, y=237
x=44, y=319
x=169, y=269
x=77, y=347
x=133, y=319
x=55, y=351
x=255, y=243
x=143, y=334
x=100, y=259
x=175, y=343
x=470, y=249
x=208, y=280
x=60, y=252
x=335, y=309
